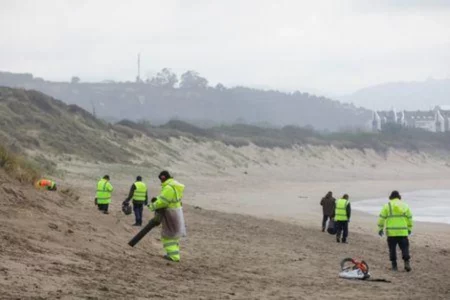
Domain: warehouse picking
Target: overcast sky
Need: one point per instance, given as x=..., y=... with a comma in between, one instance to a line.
x=331, y=46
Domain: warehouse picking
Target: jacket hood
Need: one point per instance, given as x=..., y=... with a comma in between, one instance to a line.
x=179, y=187
x=398, y=207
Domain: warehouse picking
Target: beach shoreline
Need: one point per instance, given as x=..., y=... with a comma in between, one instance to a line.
x=253, y=233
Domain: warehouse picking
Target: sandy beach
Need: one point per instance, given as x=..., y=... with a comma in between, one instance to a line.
x=253, y=233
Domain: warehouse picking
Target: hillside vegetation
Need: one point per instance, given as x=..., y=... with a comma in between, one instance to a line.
x=32, y=120
x=18, y=167
x=240, y=135
x=47, y=128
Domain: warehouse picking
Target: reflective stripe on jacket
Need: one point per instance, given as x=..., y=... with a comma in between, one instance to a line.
x=397, y=217
x=168, y=203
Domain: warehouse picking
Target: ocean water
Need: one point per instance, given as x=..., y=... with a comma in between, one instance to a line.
x=426, y=205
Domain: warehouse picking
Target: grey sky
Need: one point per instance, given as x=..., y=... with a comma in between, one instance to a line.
x=329, y=46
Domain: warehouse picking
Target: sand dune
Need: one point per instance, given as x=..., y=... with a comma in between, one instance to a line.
x=54, y=246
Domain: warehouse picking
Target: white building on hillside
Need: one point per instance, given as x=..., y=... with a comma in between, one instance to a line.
x=436, y=120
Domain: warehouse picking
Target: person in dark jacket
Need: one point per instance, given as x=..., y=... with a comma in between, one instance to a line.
x=328, y=207
x=138, y=192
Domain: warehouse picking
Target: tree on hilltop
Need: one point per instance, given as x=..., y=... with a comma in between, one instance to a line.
x=75, y=80
x=165, y=78
x=192, y=80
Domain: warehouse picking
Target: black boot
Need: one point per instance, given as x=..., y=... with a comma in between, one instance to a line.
x=338, y=239
x=394, y=265
x=407, y=266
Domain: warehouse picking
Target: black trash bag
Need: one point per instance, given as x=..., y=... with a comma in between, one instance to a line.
x=331, y=227
x=126, y=209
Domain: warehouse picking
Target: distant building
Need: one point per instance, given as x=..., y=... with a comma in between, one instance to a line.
x=436, y=120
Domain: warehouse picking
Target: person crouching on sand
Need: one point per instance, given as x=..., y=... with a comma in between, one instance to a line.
x=47, y=184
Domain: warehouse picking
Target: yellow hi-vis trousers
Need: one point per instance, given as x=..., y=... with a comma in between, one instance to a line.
x=172, y=248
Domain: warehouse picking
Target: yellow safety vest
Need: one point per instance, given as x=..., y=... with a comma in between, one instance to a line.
x=104, y=190
x=340, y=213
x=140, y=192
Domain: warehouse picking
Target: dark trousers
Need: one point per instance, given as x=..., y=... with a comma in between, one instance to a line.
x=103, y=207
x=402, y=242
x=324, y=221
x=342, y=226
x=138, y=209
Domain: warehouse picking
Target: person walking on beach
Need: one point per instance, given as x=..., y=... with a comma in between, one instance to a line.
x=103, y=194
x=328, y=207
x=396, y=216
x=342, y=217
x=138, y=192
x=170, y=213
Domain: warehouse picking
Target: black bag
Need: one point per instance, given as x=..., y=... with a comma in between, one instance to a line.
x=126, y=209
x=331, y=227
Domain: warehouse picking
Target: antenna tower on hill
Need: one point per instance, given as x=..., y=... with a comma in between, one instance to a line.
x=138, y=78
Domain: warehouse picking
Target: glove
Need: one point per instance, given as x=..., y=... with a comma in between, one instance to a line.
x=125, y=203
x=154, y=199
x=409, y=232
x=146, y=202
x=380, y=233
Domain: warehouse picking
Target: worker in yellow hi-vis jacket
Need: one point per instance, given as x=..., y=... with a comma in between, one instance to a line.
x=396, y=216
x=169, y=207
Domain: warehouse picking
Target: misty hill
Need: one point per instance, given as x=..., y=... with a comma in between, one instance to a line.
x=403, y=95
x=164, y=97
x=52, y=132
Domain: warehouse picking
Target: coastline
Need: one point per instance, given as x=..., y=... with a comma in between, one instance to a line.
x=253, y=233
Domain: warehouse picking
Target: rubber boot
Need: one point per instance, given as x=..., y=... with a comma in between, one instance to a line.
x=407, y=266
x=394, y=265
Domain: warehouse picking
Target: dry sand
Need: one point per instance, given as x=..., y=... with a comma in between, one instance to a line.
x=268, y=244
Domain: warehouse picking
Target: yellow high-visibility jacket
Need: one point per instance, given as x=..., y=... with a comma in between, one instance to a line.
x=104, y=190
x=397, y=217
x=169, y=204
